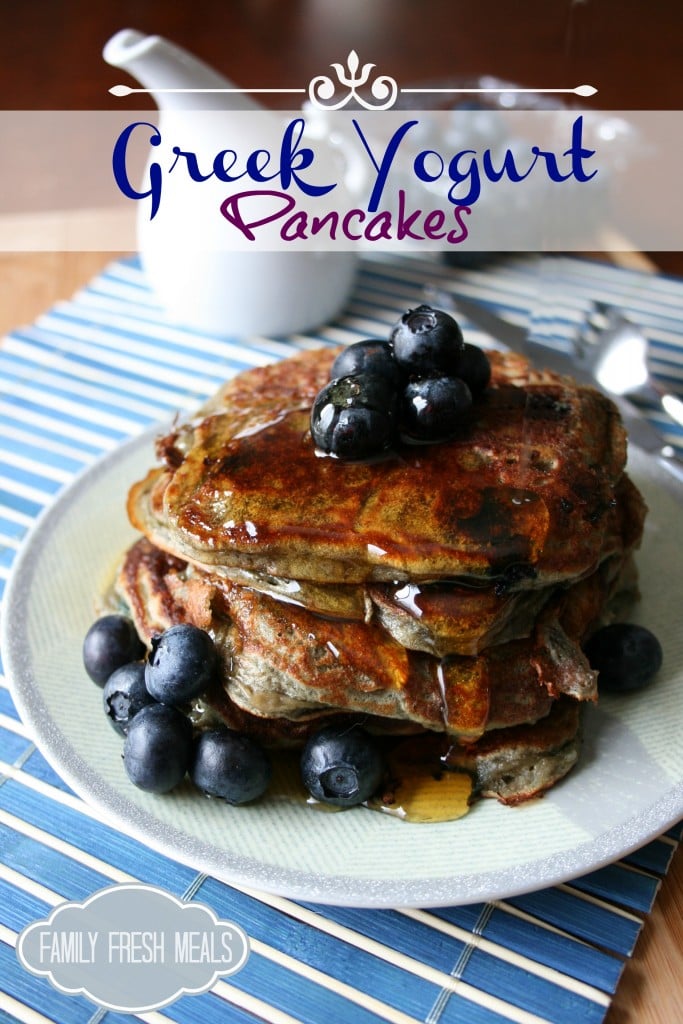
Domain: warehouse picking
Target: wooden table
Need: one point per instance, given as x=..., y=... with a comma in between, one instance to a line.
x=50, y=59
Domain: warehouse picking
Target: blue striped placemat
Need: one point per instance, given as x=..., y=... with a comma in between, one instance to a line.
x=97, y=369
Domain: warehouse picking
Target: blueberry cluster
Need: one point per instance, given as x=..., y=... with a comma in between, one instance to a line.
x=146, y=699
x=416, y=387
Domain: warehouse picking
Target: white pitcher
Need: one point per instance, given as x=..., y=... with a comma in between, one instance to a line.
x=200, y=285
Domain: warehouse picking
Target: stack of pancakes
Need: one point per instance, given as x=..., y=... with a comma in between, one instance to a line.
x=443, y=590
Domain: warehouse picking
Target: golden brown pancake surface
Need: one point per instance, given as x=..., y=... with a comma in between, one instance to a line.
x=525, y=492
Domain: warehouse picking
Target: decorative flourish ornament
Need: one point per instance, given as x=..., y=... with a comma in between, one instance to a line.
x=322, y=89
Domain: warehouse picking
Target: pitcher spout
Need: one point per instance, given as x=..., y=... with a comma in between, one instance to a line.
x=199, y=279
x=176, y=79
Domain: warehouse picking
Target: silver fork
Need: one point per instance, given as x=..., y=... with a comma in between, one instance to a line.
x=615, y=351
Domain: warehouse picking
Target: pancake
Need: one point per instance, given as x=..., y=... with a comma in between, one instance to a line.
x=283, y=662
x=515, y=765
x=524, y=496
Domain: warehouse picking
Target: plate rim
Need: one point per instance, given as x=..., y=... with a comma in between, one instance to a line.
x=178, y=845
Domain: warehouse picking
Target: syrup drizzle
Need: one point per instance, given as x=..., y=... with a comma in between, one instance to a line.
x=421, y=788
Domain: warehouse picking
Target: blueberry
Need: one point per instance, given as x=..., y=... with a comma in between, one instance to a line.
x=110, y=643
x=433, y=407
x=125, y=694
x=181, y=664
x=230, y=766
x=366, y=357
x=157, y=748
x=427, y=341
x=625, y=656
x=474, y=368
x=354, y=417
x=341, y=765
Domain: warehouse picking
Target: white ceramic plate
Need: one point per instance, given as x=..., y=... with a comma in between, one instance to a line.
x=627, y=789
